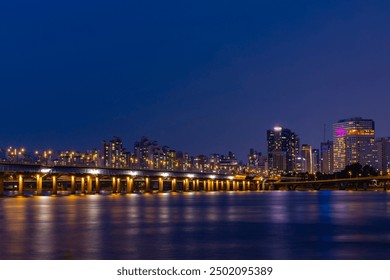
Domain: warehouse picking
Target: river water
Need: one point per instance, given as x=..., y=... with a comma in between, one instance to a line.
x=217, y=225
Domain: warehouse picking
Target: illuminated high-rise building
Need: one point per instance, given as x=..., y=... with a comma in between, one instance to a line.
x=353, y=142
x=383, y=154
x=114, y=153
x=316, y=160
x=327, y=157
x=307, y=154
x=283, y=148
x=146, y=152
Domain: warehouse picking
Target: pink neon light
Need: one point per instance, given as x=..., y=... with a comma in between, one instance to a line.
x=340, y=132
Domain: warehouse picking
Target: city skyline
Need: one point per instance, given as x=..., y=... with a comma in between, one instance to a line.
x=353, y=142
x=262, y=142
x=210, y=78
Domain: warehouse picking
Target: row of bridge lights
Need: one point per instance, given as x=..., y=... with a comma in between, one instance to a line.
x=135, y=173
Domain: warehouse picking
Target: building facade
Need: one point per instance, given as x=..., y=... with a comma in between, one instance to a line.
x=353, y=142
x=316, y=160
x=327, y=157
x=283, y=149
x=307, y=154
x=114, y=154
x=383, y=152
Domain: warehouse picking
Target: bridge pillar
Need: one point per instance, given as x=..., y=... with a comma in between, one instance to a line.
x=258, y=185
x=196, y=185
x=82, y=188
x=118, y=185
x=1, y=187
x=129, y=185
x=235, y=185
x=217, y=185
x=263, y=184
x=186, y=185
x=173, y=185
x=89, y=185
x=207, y=184
x=113, y=185
x=160, y=184
x=227, y=185
x=97, y=185
x=39, y=185
x=147, y=184
x=72, y=185
x=20, y=186
x=54, y=184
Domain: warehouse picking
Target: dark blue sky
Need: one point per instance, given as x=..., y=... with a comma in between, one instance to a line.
x=199, y=76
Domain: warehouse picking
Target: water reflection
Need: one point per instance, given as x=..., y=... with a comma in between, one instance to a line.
x=42, y=233
x=243, y=225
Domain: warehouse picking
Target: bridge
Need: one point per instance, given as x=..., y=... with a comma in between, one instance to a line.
x=358, y=183
x=25, y=179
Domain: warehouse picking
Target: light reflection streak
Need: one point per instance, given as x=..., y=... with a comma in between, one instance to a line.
x=15, y=217
x=93, y=238
x=43, y=235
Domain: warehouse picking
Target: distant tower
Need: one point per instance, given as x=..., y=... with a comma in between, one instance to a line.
x=316, y=160
x=308, y=156
x=114, y=153
x=283, y=148
x=327, y=157
x=383, y=154
x=353, y=141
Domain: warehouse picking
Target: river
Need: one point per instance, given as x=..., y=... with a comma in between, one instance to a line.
x=278, y=225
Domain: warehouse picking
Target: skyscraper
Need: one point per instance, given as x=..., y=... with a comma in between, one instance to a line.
x=383, y=158
x=316, y=160
x=114, y=153
x=307, y=154
x=353, y=141
x=327, y=157
x=283, y=148
x=146, y=152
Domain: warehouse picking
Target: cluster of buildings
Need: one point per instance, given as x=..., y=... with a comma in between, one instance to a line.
x=353, y=141
x=146, y=154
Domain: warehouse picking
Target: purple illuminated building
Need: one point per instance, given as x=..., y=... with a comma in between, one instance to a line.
x=353, y=142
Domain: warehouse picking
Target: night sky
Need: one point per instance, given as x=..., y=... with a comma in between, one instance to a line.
x=200, y=76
